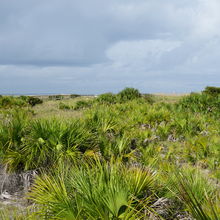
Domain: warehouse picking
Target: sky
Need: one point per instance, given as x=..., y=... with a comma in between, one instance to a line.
x=98, y=46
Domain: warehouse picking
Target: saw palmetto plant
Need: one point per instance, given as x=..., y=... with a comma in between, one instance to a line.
x=95, y=190
x=130, y=159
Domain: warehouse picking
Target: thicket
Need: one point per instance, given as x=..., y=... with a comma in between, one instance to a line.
x=72, y=96
x=82, y=104
x=107, y=98
x=34, y=101
x=64, y=106
x=126, y=95
x=22, y=101
x=210, y=90
x=56, y=97
x=201, y=102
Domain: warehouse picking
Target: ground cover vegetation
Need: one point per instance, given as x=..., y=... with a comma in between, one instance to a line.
x=22, y=101
x=128, y=156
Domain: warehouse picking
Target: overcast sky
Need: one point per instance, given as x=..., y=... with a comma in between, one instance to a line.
x=97, y=46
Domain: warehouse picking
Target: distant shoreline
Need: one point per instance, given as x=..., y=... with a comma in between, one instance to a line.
x=54, y=94
x=45, y=94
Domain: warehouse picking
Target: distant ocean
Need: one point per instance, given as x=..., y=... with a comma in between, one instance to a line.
x=41, y=94
x=18, y=94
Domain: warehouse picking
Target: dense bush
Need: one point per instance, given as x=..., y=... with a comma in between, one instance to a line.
x=64, y=106
x=128, y=94
x=72, y=96
x=10, y=101
x=200, y=103
x=107, y=98
x=210, y=90
x=23, y=97
x=6, y=102
x=56, y=97
x=95, y=191
x=125, y=95
x=148, y=98
x=34, y=101
x=82, y=104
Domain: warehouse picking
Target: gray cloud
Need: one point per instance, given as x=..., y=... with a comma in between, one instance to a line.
x=55, y=33
x=96, y=46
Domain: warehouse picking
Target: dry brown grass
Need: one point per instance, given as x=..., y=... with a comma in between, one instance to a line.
x=50, y=108
x=168, y=98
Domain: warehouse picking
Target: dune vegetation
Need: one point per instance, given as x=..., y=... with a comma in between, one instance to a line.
x=115, y=156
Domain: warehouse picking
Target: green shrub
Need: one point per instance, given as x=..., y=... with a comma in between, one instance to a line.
x=6, y=102
x=10, y=101
x=12, y=128
x=43, y=138
x=25, y=98
x=83, y=104
x=128, y=94
x=34, y=101
x=107, y=98
x=148, y=98
x=200, y=196
x=211, y=90
x=72, y=96
x=200, y=103
x=64, y=106
x=95, y=191
x=56, y=97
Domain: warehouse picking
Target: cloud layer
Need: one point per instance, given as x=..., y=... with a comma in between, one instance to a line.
x=99, y=46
